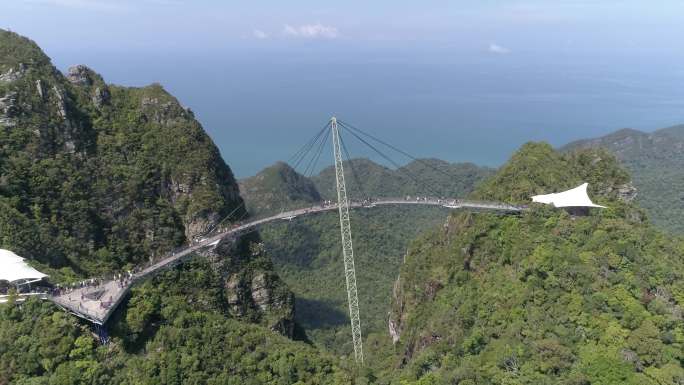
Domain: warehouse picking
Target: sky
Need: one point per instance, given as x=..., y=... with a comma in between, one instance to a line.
x=461, y=81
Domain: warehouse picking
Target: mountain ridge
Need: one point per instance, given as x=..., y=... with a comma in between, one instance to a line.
x=306, y=251
x=279, y=187
x=98, y=178
x=657, y=166
x=545, y=296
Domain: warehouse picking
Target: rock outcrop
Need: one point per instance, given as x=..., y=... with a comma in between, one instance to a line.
x=252, y=290
x=83, y=76
x=13, y=74
x=8, y=109
x=94, y=177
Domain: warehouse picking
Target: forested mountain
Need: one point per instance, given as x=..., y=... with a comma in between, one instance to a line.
x=174, y=330
x=418, y=178
x=280, y=186
x=656, y=162
x=98, y=178
x=307, y=251
x=543, y=297
x=277, y=188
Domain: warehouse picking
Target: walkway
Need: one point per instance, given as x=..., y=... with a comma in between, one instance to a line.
x=96, y=303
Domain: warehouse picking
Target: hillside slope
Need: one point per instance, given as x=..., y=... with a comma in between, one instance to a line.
x=543, y=297
x=277, y=188
x=97, y=178
x=656, y=162
x=432, y=177
x=174, y=331
x=307, y=251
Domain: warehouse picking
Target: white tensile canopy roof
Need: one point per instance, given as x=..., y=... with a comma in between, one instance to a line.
x=576, y=197
x=14, y=269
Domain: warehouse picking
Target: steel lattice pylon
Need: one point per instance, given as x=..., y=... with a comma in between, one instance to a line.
x=347, y=249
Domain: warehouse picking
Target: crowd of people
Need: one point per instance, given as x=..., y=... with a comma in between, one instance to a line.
x=432, y=199
x=73, y=291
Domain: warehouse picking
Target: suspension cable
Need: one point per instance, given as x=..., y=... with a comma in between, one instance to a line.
x=308, y=143
x=300, y=155
x=242, y=204
x=353, y=170
x=308, y=172
x=421, y=161
x=415, y=179
x=303, y=152
x=296, y=160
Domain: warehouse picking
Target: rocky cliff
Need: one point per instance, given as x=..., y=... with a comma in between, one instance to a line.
x=96, y=177
x=251, y=288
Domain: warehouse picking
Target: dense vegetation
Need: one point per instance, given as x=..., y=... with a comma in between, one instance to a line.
x=656, y=163
x=544, y=297
x=94, y=177
x=307, y=255
x=307, y=251
x=423, y=177
x=277, y=188
x=175, y=330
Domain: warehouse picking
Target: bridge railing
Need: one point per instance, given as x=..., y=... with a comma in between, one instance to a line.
x=239, y=228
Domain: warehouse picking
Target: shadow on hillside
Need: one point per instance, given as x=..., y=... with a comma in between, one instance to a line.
x=317, y=314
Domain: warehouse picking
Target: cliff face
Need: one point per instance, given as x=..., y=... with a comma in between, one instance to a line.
x=251, y=289
x=128, y=171
x=544, y=296
x=97, y=177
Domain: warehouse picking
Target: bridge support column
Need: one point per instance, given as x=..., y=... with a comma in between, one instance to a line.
x=347, y=248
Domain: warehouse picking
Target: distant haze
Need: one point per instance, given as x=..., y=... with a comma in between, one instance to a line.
x=462, y=84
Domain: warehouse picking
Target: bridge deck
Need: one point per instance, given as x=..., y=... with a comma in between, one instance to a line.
x=96, y=303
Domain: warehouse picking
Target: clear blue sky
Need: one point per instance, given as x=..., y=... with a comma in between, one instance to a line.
x=467, y=80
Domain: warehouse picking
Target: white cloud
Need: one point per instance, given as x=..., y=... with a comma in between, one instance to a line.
x=311, y=31
x=497, y=49
x=166, y=2
x=80, y=4
x=103, y=5
x=259, y=34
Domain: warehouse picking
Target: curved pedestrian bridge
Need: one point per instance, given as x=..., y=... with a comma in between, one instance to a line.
x=96, y=299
